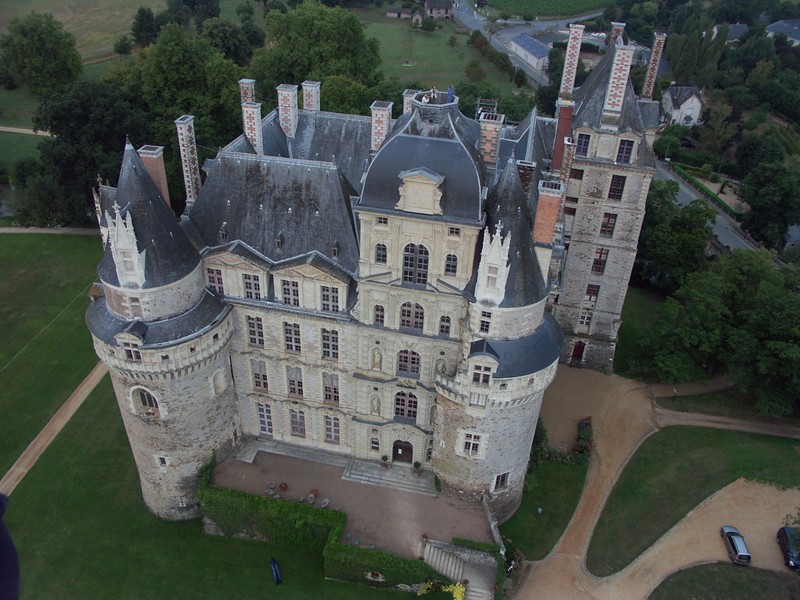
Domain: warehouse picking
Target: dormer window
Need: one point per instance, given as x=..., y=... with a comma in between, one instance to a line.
x=279, y=241
x=223, y=233
x=335, y=250
x=491, y=277
x=382, y=221
x=132, y=352
x=582, y=146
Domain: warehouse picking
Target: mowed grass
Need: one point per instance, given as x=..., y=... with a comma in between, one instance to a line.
x=555, y=489
x=16, y=146
x=82, y=531
x=638, y=313
x=45, y=348
x=673, y=471
x=549, y=8
x=723, y=581
x=433, y=61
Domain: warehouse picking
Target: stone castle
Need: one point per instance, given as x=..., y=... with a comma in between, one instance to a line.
x=371, y=287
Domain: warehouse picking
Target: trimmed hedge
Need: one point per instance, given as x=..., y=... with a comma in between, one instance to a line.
x=707, y=193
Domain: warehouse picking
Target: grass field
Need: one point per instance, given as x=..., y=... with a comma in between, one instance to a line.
x=16, y=146
x=638, y=312
x=548, y=8
x=722, y=581
x=555, y=489
x=45, y=348
x=671, y=473
x=82, y=531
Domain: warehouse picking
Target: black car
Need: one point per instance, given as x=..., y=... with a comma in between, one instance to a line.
x=789, y=541
x=687, y=143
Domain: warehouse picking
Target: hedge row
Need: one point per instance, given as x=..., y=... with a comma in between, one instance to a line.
x=707, y=193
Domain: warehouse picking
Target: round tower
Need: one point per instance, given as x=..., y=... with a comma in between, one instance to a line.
x=165, y=339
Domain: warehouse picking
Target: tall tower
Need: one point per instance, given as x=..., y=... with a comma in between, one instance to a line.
x=165, y=340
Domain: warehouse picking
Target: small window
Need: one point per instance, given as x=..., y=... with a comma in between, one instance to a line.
x=147, y=400
x=592, y=291
x=132, y=352
x=335, y=250
x=585, y=318
x=162, y=461
x=599, y=262
x=582, y=146
x=214, y=277
x=491, y=277
x=291, y=337
x=252, y=286
x=481, y=375
x=617, y=187
x=330, y=299
x=608, y=224
x=379, y=315
x=486, y=321
x=454, y=231
x=255, y=331
x=264, y=418
x=381, y=255
x=330, y=387
x=330, y=344
x=444, y=326
x=412, y=316
x=451, y=264
x=298, y=423
x=259, y=368
x=571, y=199
x=576, y=173
x=294, y=380
x=382, y=221
x=472, y=444
x=501, y=481
x=625, y=151
x=332, y=430
x=374, y=445
x=290, y=290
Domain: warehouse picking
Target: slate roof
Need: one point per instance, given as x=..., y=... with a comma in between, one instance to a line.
x=790, y=27
x=205, y=314
x=169, y=256
x=508, y=207
x=737, y=31
x=682, y=93
x=651, y=113
x=440, y=4
x=259, y=200
x=531, y=45
x=441, y=139
x=523, y=356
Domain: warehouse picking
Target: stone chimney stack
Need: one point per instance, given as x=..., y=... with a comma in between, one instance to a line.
x=311, y=95
x=489, y=141
x=548, y=210
x=153, y=160
x=287, y=108
x=616, y=32
x=617, y=85
x=526, y=170
x=652, y=67
x=189, y=161
x=408, y=96
x=381, y=123
x=571, y=59
x=251, y=123
x=247, y=90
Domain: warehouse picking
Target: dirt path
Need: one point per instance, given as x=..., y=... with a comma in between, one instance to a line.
x=623, y=415
x=48, y=433
x=61, y=230
x=23, y=130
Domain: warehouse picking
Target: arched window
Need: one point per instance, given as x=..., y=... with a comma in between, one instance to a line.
x=380, y=254
x=415, y=264
x=444, y=326
x=405, y=405
x=412, y=316
x=146, y=403
x=408, y=363
x=379, y=315
x=451, y=264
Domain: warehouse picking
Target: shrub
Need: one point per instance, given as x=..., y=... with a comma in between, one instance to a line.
x=123, y=45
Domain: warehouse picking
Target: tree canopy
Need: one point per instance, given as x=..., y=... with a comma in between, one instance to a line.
x=771, y=191
x=39, y=50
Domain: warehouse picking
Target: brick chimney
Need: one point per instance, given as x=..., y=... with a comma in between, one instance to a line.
x=616, y=31
x=526, y=170
x=247, y=90
x=153, y=160
x=311, y=95
x=189, y=161
x=381, y=123
x=563, y=132
x=287, y=108
x=251, y=123
x=548, y=211
x=408, y=96
x=489, y=141
x=652, y=67
x=617, y=85
x=571, y=59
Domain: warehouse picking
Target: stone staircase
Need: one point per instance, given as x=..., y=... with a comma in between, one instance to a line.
x=458, y=563
x=397, y=476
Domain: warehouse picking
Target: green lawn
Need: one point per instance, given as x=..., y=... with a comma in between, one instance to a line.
x=671, y=473
x=723, y=581
x=556, y=489
x=549, y=8
x=16, y=107
x=727, y=403
x=45, y=348
x=82, y=531
x=434, y=61
x=16, y=146
x=638, y=313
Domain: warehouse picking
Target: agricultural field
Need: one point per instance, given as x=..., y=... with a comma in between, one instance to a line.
x=548, y=8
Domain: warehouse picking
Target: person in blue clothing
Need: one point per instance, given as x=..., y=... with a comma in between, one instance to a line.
x=451, y=93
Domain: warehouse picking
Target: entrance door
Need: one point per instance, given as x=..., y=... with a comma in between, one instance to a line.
x=577, y=351
x=402, y=452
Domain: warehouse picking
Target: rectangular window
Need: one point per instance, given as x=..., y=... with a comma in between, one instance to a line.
x=472, y=444
x=131, y=352
x=298, y=422
x=585, y=318
x=486, y=321
x=255, y=331
x=259, y=368
x=625, y=151
x=252, y=286
x=599, y=262
x=477, y=399
x=617, y=187
x=582, y=147
x=570, y=210
x=330, y=299
x=491, y=277
x=135, y=306
x=481, y=375
x=330, y=387
x=294, y=380
x=592, y=292
x=264, y=418
x=405, y=405
x=330, y=344
x=383, y=221
x=379, y=315
x=501, y=481
x=454, y=231
x=375, y=444
x=290, y=290
x=291, y=336
x=576, y=173
x=608, y=224
x=214, y=277
x=332, y=430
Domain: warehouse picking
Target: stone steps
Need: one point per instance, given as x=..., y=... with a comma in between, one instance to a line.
x=458, y=563
x=396, y=477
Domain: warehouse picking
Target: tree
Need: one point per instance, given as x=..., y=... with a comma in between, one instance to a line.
x=718, y=131
x=245, y=11
x=254, y=34
x=229, y=39
x=143, y=28
x=340, y=94
x=755, y=150
x=315, y=42
x=771, y=192
x=474, y=71
x=123, y=45
x=203, y=10
x=428, y=24
x=665, y=146
x=37, y=49
x=520, y=78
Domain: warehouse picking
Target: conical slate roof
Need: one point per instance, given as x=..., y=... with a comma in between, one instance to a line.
x=168, y=254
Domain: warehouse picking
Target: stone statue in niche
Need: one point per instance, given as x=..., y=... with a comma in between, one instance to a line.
x=377, y=360
x=376, y=406
x=441, y=366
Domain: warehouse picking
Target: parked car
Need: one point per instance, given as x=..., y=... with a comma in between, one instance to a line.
x=789, y=541
x=735, y=544
x=687, y=142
